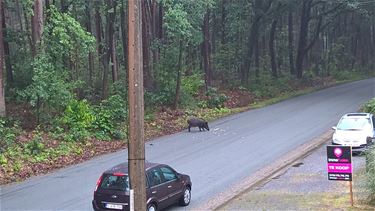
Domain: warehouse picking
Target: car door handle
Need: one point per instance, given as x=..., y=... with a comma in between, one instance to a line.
x=169, y=186
x=153, y=192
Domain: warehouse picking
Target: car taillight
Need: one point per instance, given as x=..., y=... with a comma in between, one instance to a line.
x=118, y=174
x=98, y=182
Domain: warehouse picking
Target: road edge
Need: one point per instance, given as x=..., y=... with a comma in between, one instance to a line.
x=265, y=174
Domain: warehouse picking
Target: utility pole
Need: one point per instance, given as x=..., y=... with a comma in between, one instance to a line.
x=136, y=156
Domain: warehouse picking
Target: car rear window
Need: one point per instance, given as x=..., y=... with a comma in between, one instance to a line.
x=353, y=123
x=115, y=182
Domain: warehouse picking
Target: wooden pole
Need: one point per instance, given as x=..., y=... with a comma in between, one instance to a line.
x=351, y=193
x=136, y=155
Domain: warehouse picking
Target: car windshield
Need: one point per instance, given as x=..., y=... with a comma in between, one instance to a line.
x=115, y=182
x=353, y=123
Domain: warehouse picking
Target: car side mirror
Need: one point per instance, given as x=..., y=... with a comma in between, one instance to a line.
x=334, y=128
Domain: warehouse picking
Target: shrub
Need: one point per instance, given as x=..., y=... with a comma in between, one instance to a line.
x=109, y=114
x=215, y=99
x=8, y=131
x=369, y=107
x=48, y=92
x=35, y=146
x=370, y=172
x=78, y=117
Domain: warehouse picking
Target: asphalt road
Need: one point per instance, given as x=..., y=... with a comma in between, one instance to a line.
x=233, y=149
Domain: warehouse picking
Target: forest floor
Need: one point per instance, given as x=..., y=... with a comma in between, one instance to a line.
x=163, y=121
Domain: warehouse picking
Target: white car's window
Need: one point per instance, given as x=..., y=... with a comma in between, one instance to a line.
x=354, y=124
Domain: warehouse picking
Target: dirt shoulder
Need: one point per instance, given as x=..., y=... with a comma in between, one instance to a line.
x=304, y=186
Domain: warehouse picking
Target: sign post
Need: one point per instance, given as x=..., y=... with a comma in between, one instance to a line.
x=339, y=160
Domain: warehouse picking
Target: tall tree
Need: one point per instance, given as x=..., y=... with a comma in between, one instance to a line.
x=291, y=42
x=111, y=14
x=206, y=49
x=146, y=40
x=99, y=36
x=272, y=48
x=8, y=65
x=89, y=29
x=2, y=95
x=260, y=10
x=37, y=26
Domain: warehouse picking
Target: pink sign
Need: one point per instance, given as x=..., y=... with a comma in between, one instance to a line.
x=339, y=167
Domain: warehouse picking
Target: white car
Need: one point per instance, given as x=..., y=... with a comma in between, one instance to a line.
x=356, y=130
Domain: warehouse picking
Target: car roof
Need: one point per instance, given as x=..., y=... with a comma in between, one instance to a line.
x=123, y=168
x=356, y=115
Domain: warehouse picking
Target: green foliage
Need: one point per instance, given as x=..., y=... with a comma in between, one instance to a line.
x=66, y=38
x=48, y=92
x=215, y=99
x=370, y=172
x=109, y=114
x=192, y=84
x=8, y=131
x=369, y=107
x=268, y=87
x=78, y=114
x=35, y=146
x=78, y=117
x=346, y=75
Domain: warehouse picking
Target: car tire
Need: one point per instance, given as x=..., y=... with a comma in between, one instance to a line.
x=152, y=207
x=186, y=197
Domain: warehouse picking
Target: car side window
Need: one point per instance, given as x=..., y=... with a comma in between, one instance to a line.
x=154, y=177
x=168, y=173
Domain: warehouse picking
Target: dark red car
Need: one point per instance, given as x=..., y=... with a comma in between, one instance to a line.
x=164, y=187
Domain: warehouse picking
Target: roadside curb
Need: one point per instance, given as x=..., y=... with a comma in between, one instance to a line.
x=265, y=174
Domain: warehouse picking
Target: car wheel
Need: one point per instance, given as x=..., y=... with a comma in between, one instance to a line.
x=151, y=207
x=185, y=199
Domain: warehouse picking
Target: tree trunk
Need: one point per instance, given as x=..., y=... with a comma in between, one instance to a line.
x=37, y=26
x=272, y=48
x=91, y=54
x=111, y=9
x=302, y=42
x=206, y=49
x=112, y=44
x=2, y=94
x=146, y=22
x=124, y=33
x=256, y=49
x=19, y=14
x=8, y=65
x=178, y=79
x=223, y=18
x=114, y=61
x=260, y=10
x=290, y=43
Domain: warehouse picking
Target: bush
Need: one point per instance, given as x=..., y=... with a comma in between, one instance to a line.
x=109, y=114
x=370, y=172
x=8, y=131
x=369, y=107
x=49, y=92
x=215, y=99
x=78, y=117
x=35, y=146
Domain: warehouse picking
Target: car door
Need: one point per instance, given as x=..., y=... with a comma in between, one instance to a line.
x=172, y=182
x=157, y=188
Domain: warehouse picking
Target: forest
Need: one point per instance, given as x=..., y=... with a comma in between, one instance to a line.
x=63, y=67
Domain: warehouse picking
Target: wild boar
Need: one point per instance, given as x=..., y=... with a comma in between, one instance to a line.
x=195, y=122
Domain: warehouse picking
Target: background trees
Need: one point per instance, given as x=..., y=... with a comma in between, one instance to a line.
x=78, y=49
